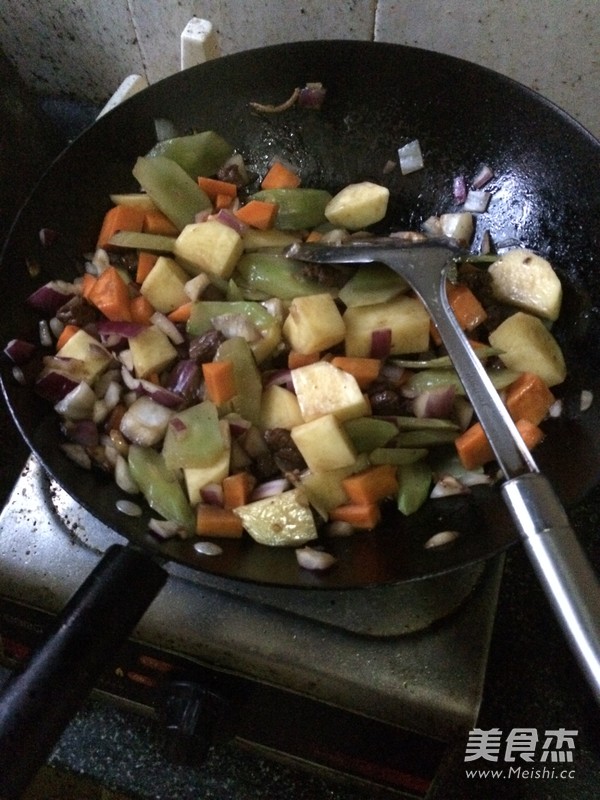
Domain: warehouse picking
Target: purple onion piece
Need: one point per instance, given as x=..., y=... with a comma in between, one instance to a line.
x=19, y=351
x=435, y=404
x=50, y=297
x=381, y=343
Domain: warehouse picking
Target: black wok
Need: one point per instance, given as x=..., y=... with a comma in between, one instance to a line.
x=379, y=96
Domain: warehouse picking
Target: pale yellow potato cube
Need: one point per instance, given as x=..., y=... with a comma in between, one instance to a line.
x=358, y=205
x=405, y=317
x=322, y=389
x=87, y=349
x=526, y=280
x=209, y=246
x=526, y=345
x=313, y=324
x=279, y=409
x=151, y=351
x=164, y=286
x=324, y=444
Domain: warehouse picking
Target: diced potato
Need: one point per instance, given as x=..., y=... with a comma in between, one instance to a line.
x=314, y=323
x=151, y=351
x=324, y=444
x=323, y=389
x=285, y=519
x=196, y=478
x=85, y=348
x=209, y=246
x=526, y=345
x=405, y=317
x=164, y=286
x=279, y=408
x=526, y=280
x=358, y=205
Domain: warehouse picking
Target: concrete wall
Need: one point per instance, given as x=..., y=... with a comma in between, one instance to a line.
x=85, y=48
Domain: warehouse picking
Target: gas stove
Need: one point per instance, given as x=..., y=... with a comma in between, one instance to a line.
x=402, y=665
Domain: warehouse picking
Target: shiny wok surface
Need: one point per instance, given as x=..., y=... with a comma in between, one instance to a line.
x=546, y=197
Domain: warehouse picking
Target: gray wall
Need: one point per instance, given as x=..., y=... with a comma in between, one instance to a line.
x=85, y=48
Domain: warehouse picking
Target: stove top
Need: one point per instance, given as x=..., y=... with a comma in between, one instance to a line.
x=412, y=654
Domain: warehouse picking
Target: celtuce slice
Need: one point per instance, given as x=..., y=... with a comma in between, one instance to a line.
x=285, y=519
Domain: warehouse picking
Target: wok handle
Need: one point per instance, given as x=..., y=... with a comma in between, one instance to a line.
x=37, y=704
x=566, y=576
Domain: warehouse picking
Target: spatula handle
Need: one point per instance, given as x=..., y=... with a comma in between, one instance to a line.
x=562, y=567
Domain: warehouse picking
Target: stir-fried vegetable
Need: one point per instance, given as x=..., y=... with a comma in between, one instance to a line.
x=243, y=393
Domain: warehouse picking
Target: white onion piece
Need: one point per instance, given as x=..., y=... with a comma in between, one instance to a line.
x=145, y=422
x=164, y=324
x=208, y=549
x=447, y=486
x=196, y=285
x=78, y=454
x=78, y=403
x=477, y=201
x=476, y=478
x=339, y=529
x=56, y=326
x=270, y=488
x=19, y=376
x=123, y=477
x=275, y=307
x=410, y=157
x=112, y=395
x=126, y=358
x=99, y=412
x=441, y=538
x=432, y=226
x=310, y=558
x=234, y=325
x=462, y=412
x=46, y=339
x=556, y=409
x=484, y=176
x=100, y=260
x=128, y=508
x=335, y=236
x=586, y=400
x=165, y=529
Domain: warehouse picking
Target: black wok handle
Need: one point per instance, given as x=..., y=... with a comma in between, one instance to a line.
x=37, y=704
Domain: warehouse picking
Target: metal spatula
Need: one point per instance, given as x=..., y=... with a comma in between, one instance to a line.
x=561, y=565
